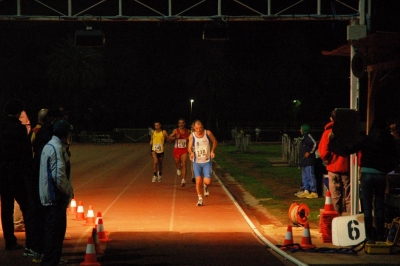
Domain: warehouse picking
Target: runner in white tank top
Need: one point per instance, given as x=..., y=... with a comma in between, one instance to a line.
x=201, y=152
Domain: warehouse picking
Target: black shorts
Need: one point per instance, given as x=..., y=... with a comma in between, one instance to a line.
x=159, y=155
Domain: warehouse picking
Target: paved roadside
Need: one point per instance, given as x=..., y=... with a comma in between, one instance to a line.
x=151, y=223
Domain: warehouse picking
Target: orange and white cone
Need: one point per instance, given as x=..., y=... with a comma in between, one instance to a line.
x=80, y=215
x=328, y=202
x=72, y=207
x=288, y=237
x=101, y=233
x=90, y=217
x=97, y=219
x=306, y=238
x=90, y=256
x=96, y=242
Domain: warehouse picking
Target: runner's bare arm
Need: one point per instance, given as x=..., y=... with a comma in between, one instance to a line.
x=165, y=135
x=214, y=143
x=190, y=145
x=172, y=136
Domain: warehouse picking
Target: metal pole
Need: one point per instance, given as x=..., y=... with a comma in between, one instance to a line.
x=191, y=105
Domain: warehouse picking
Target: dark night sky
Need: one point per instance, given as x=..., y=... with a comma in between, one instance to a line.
x=147, y=66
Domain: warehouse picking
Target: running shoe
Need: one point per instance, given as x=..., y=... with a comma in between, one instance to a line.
x=154, y=179
x=38, y=258
x=62, y=261
x=312, y=195
x=183, y=182
x=304, y=194
x=159, y=178
x=298, y=193
x=29, y=253
x=206, y=191
x=178, y=171
x=200, y=202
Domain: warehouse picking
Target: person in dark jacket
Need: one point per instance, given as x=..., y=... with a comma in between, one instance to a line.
x=15, y=172
x=378, y=157
x=308, y=147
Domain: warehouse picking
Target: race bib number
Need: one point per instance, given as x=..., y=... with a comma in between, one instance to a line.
x=157, y=147
x=181, y=143
x=201, y=153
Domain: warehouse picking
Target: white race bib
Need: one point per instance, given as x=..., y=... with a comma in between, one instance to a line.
x=181, y=143
x=157, y=147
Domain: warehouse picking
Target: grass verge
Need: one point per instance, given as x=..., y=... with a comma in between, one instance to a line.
x=273, y=186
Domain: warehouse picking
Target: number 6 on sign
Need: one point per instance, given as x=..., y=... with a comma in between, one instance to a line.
x=348, y=230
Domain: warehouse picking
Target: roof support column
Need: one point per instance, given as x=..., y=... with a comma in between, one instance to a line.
x=355, y=31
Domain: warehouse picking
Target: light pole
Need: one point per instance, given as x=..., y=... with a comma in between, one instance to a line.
x=191, y=105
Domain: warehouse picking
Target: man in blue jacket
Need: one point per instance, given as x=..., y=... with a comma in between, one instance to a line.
x=308, y=147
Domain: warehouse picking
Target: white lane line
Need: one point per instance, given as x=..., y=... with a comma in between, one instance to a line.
x=126, y=187
x=171, y=221
x=96, y=177
x=255, y=230
x=85, y=233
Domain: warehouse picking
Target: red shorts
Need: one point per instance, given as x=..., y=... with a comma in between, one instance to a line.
x=178, y=152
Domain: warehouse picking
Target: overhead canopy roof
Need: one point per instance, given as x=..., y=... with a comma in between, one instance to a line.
x=381, y=51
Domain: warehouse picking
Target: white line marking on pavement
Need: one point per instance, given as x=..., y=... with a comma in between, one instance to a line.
x=84, y=234
x=171, y=222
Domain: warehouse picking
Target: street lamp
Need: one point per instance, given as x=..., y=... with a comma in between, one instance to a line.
x=191, y=105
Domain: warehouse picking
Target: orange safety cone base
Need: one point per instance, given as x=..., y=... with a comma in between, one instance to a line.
x=96, y=242
x=72, y=207
x=90, y=256
x=306, y=238
x=72, y=210
x=105, y=240
x=101, y=233
x=80, y=215
x=288, y=237
x=90, y=221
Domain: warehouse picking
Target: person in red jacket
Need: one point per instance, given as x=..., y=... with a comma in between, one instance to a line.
x=338, y=171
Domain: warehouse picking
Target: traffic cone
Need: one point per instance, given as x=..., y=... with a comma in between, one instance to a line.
x=328, y=202
x=101, y=233
x=90, y=217
x=72, y=207
x=96, y=242
x=97, y=219
x=288, y=237
x=90, y=256
x=306, y=238
x=80, y=215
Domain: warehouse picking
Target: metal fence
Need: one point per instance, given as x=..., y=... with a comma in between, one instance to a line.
x=243, y=142
x=290, y=150
x=130, y=135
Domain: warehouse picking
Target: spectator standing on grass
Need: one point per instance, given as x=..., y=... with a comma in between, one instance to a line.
x=338, y=171
x=56, y=192
x=258, y=130
x=308, y=147
x=201, y=152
